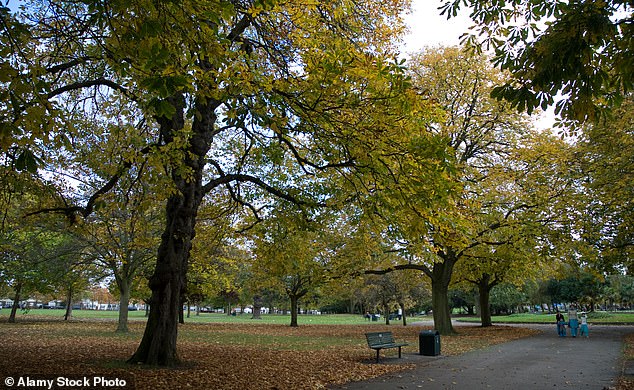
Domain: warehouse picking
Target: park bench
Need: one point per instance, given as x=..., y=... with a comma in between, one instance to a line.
x=382, y=340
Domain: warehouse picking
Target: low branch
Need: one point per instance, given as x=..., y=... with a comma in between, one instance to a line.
x=399, y=267
x=71, y=211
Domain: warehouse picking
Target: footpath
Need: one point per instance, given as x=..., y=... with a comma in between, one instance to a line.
x=543, y=361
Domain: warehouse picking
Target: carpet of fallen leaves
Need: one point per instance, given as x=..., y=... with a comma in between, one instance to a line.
x=626, y=382
x=76, y=349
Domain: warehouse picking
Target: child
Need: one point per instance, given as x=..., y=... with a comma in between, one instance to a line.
x=584, y=325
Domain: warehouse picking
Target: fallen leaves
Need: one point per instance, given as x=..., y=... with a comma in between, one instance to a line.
x=222, y=356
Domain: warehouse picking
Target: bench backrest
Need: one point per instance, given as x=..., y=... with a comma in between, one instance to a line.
x=378, y=338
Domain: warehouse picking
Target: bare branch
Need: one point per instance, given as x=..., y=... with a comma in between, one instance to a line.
x=86, y=84
x=244, y=178
x=399, y=267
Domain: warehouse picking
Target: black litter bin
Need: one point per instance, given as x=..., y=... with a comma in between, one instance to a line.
x=429, y=343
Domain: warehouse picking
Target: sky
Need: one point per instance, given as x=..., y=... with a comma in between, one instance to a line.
x=429, y=28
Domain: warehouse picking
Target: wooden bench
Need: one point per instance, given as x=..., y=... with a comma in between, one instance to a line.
x=383, y=340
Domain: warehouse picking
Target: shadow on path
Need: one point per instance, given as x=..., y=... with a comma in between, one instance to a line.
x=544, y=361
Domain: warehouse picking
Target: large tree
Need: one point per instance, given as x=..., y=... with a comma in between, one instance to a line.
x=227, y=92
x=292, y=255
x=122, y=239
x=606, y=152
x=480, y=132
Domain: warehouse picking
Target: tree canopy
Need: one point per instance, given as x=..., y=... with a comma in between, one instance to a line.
x=240, y=100
x=581, y=51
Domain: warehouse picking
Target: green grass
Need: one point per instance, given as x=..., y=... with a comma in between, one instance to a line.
x=599, y=317
x=325, y=319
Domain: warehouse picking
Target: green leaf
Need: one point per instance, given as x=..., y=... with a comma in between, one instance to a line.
x=27, y=161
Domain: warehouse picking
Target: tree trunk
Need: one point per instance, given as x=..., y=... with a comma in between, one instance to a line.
x=124, y=300
x=484, y=290
x=168, y=282
x=69, y=304
x=16, y=302
x=181, y=316
x=257, y=308
x=402, y=306
x=294, y=299
x=386, y=309
x=441, y=277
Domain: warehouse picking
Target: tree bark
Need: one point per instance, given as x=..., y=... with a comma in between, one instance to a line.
x=168, y=282
x=124, y=300
x=441, y=277
x=484, y=290
x=16, y=302
x=257, y=308
x=69, y=304
x=386, y=309
x=294, y=299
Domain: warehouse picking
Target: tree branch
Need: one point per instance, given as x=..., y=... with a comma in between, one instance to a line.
x=399, y=267
x=70, y=211
x=86, y=84
x=244, y=178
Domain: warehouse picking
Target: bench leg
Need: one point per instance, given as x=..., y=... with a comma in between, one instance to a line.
x=399, y=352
x=377, y=355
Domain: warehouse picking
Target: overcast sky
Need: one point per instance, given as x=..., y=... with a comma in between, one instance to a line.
x=429, y=28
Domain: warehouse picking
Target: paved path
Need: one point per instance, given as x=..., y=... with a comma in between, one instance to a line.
x=544, y=361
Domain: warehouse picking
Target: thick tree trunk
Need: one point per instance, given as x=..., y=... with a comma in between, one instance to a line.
x=484, y=290
x=158, y=345
x=16, y=302
x=441, y=277
x=402, y=306
x=124, y=300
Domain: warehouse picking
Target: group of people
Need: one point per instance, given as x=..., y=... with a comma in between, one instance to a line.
x=573, y=323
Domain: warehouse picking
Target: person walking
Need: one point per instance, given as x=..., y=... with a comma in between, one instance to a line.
x=573, y=320
x=584, y=325
x=561, y=324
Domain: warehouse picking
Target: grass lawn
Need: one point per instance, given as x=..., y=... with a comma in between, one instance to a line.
x=303, y=319
x=599, y=317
